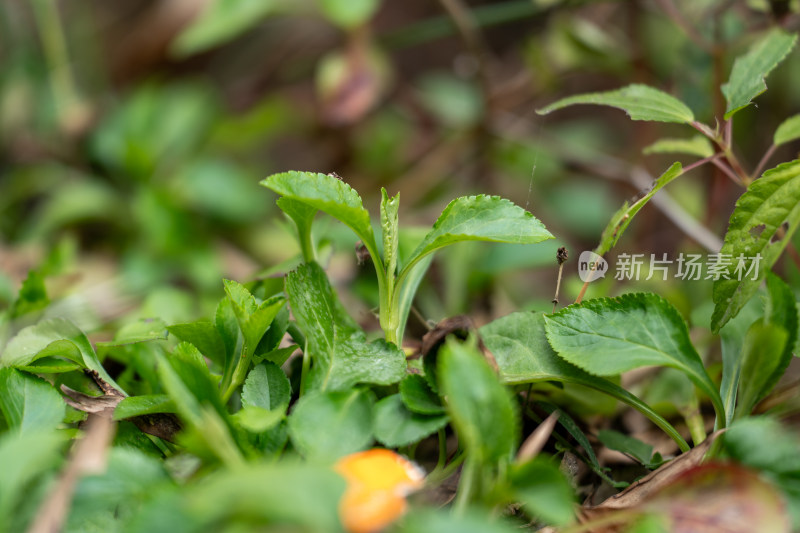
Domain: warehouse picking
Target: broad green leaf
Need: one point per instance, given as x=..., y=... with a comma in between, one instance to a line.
x=395, y=425
x=752, y=243
x=519, y=345
x=139, y=331
x=698, y=145
x=389, y=228
x=331, y=195
x=28, y=402
x=220, y=22
x=328, y=425
x=479, y=218
x=470, y=386
x=543, y=491
x=258, y=419
x=788, y=131
x=348, y=14
x=620, y=442
x=204, y=336
x=53, y=337
x=340, y=359
x=277, y=356
x=266, y=387
x=608, y=336
x=747, y=77
x=622, y=218
x=143, y=405
x=23, y=458
x=640, y=102
x=762, y=352
x=52, y=365
x=284, y=496
x=419, y=397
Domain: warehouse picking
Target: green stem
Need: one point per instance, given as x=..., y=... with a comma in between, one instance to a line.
x=466, y=485
x=307, y=246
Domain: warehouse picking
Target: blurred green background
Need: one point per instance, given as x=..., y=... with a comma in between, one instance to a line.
x=133, y=135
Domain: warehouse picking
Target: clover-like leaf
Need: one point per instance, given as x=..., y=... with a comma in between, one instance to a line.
x=29, y=402
x=640, y=102
x=753, y=242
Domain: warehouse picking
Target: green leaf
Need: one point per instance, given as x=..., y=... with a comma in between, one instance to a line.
x=332, y=196
x=608, y=336
x=637, y=449
x=640, y=102
x=28, y=402
x=32, y=295
x=23, y=458
x=139, y=331
x=348, y=14
x=747, y=77
x=622, y=218
x=266, y=387
x=444, y=521
x=763, y=347
x=479, y=218
x=419, y=397
x=53, y=337
x=698, y=145
x=781, y=310
x=340, y=359
x=220, y=22
x=328, y=425
x=389, y=227
x=254, y=319
x=732, y=337
x=788, y=131
x=284, y=496
x=204, y=336
x=543, y=491
x=751, y=242
x=395, y=425
x=470, y=386
x=258, y=419
x=519, y=345
x=143, y=405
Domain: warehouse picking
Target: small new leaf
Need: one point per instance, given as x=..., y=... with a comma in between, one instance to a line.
x=622, y=218
x=788, y=131
x=640, y=102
